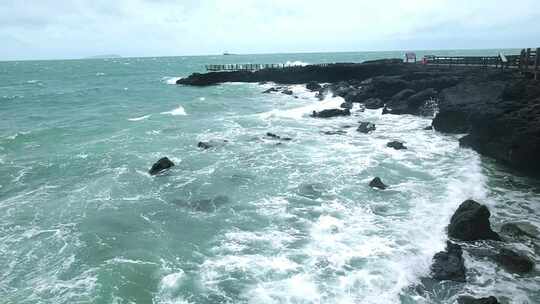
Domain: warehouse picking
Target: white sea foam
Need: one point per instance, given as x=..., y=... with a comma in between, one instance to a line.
x=100, y=74
x=306, y=110
x=171, y=80
x=176, y=112
x=139, y=118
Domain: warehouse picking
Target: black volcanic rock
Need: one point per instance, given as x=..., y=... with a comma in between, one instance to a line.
x=470, y=222
x=396, y=145
x=377, y=183
x=161, y=165
x=449, y=264
x=313, y=86
x=373, y=103
x=513, y=262
x=287, y=92
x=471, y=300
x=204, y=145
x=302, y=74
x=331, y=113
x=366, y=127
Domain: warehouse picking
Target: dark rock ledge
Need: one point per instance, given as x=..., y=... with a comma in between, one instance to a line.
x=499, y=112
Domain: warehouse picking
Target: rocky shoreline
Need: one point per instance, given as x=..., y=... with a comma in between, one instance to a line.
x=498, y=113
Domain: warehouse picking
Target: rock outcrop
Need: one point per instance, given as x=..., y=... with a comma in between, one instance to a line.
x=502, y=119
x=331, y=113
x=377, y=183
x=396, y=145
x=449, y=264
x=366, y=127
x=161, y=165
x=470, y=222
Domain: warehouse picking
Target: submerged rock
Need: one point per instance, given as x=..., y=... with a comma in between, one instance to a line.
x=161, y=165
x=449, y=264
x=331, y=113
x=204, y=205
x=365, y=127
x=471, y=300
x=271, y=90
x=274, y=136
x=513, y=262
x=335, y=132
x=377, y=183
x=396, y=145
x=204, y=145
x=519, y=230
x=470, y=222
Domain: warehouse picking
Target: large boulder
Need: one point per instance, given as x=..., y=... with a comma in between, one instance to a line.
x=396, y=145
x=471, y=300
x=161, y=165
x=449, y=264
x=377, y=183
x=410, y=102
x=331, y=113
x=470, y=222
x=366, y=127
x=513, y=262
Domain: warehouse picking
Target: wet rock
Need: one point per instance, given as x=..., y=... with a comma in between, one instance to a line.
x=396, y=145
x=403, y=95
x=161, y=165
x=373, y=103
x=377, y=183
x=346, y=105
x=287, y=92
x=271, y=90
x=471, y=300
x=519, y=230
x=409, y=102
x=331, y=113
x=386, y=110
x=449, y=264
x=313, y=86
x=204, y=145
x=336, y=132
x=274, y=136
x=366, y=127
x=513, y=262
x=428, y=128
x=204, y=205
x=470, y=222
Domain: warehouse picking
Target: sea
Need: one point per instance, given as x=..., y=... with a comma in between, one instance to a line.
x=253, y=219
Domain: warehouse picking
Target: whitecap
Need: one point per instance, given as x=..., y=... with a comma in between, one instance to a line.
x=139, y=118
x=299, y=112
x=176, y=112
x=100, y=74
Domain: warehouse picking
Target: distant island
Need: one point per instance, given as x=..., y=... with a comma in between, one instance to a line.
x=104, y=56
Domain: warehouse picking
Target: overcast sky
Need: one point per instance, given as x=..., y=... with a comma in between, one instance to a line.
x=41, y=29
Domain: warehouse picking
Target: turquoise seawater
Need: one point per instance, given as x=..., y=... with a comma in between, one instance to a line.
x=252, y=220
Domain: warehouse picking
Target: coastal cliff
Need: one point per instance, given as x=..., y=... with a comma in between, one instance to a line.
x=498, y=111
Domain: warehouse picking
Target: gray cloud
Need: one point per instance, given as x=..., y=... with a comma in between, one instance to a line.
x=79, y=28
